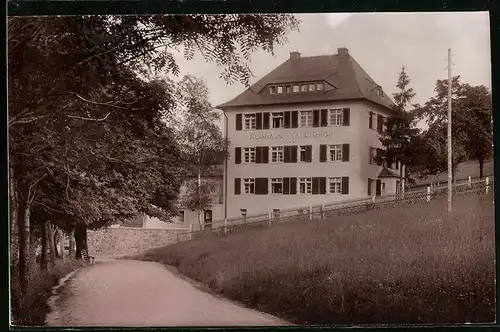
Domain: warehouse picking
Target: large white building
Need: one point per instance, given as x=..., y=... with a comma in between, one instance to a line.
x=306, y=134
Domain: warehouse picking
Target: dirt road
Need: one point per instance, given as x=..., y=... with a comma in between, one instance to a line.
x=135, y=293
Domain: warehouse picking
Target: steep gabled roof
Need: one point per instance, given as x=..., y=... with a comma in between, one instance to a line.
x=386, y=173
x=341, y=71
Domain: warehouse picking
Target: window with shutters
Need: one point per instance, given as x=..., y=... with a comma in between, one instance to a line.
x=277, y=119
x=277, y=154
x=249, y=155
x=336, y=117
x=335, y=185
x=305, y=185
x=379, y=153
x=276, y=185
x=335, y=152
x=306, y=118
x=249, y=186
x=303, y=153
x=250, y=121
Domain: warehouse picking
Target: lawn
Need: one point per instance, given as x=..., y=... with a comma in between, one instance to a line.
x=414, y=264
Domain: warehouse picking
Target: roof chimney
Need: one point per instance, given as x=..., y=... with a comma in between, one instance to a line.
x=294, y=55
x=342, y=51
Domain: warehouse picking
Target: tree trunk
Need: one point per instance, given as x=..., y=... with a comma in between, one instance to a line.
x=71, y=242
x=24, y=245
x=45, y=243
x=81, y=239
x=199, y=199
x=57, y=236
x=52, y=244
x=481, y=166
x=61, y=244
x=14, y=228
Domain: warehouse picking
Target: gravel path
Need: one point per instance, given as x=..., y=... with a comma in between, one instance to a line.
x=135, y=293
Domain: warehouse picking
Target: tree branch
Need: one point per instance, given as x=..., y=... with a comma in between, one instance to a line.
x=88, y=119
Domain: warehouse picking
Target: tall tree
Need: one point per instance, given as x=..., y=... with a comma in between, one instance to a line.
x=476, y=109
x=200, y=137
x=85, y=109
x=401, y=138
x=471, y=124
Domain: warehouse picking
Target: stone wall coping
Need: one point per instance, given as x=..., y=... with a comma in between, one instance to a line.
x=150, y=229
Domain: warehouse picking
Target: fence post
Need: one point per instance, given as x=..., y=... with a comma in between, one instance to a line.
x=322, y=211
x=270, y=218
x=469, y=182
x=310, y=212
x=428, y=194
x=225, y=225
x=487, y=184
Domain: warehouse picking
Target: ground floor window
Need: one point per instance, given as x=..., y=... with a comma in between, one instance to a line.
x=335, y=185
x=181, y=216
x=249, y=186
x=305, y=185
x=276, y=185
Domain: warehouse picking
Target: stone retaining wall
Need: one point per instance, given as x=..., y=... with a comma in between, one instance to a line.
x=113, y=242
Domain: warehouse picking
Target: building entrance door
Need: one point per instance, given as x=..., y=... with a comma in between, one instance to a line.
x=208, y=219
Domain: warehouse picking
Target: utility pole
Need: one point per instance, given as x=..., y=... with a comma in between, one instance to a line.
x=449, y=133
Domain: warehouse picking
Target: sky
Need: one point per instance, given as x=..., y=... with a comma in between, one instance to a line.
x=381, y=43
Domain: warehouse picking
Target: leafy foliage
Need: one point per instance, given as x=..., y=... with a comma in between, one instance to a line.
x=198, y=197
x=401, y=139
x=88, y=97
x=471, y=125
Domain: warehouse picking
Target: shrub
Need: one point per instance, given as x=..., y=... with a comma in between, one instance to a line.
x=30, y=308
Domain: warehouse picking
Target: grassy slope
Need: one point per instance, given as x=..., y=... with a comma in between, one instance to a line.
x=405, y=265
x=465, y=169
x=30, y=309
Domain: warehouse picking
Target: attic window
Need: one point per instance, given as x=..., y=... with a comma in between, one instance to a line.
x=319, y=86
x=280, y=89
x=380, y=93
x=312, y=87
x=272, y=90
x=303, y=87
x=296, y=88
x=288, y=89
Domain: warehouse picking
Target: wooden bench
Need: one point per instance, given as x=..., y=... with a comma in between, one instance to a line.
x=86, y=257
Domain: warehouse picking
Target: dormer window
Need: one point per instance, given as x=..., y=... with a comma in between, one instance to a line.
x=295, y=88
x=380, y=93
